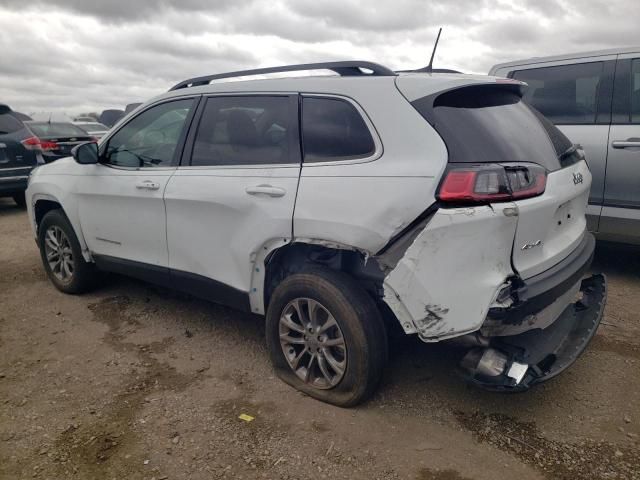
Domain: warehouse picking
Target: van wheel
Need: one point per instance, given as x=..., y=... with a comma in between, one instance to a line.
x=62, y=256
x=20, y=200
x=326, y=337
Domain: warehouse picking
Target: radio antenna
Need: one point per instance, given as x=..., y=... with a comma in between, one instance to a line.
x=433, y=53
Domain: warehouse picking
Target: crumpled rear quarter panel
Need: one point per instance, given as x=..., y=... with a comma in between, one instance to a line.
x=444, y=284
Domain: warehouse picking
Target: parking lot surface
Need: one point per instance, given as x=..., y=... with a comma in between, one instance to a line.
x=137, y=382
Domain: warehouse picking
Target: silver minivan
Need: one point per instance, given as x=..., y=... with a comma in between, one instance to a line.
x=594, y=98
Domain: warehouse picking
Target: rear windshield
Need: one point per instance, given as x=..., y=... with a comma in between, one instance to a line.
x=45, y=129
x=92, y=126
x=9, y=123
x=491, y=124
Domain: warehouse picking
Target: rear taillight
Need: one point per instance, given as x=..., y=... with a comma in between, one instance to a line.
x=31, y=143
x=492, y=183
x=45, y=145
x=34, y=143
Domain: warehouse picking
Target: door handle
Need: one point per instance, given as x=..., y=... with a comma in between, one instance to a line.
x=266, y=190
x=148, y=185
x=629, y=143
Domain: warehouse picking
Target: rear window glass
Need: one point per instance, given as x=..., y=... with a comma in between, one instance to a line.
x=92, y=126
x=9, y=123
x=332, y=129
x=489, y=124
x=565, y=94
x=46, y=129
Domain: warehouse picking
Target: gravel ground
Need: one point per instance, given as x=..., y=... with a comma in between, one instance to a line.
x=136, y=382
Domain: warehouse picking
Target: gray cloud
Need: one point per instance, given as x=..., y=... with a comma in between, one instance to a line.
x=127, y=10
x=90, y=55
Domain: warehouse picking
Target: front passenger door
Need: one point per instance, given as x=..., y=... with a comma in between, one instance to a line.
x=121, y=207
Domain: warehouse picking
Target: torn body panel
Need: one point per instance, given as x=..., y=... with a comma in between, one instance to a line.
x=517, y=362
x=446, y=281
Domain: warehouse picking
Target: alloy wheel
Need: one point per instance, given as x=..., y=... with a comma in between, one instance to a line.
x=312, y=343
x=59, y=255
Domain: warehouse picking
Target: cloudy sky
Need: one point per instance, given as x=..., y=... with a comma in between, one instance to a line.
x=87, y=55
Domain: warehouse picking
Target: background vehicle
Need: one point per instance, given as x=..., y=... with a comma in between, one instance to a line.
x=131, y=106
x=110, y=117
x=84, y=118
x=58, y=138
x=277, y=197
x=20, y=116
x=19, y=153
x=95, y=129
x=594, y=98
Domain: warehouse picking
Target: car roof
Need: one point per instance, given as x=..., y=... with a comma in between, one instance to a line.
x=332, y=84
x=567, y=56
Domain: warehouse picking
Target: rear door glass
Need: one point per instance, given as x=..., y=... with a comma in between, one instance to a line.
x=246, y=130
x=565, y=94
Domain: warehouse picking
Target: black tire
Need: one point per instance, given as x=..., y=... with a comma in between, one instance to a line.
x=20, y=200
x=85, y=276
x=357, y=317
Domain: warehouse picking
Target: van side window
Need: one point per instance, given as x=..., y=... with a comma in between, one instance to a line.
x=565, y=94
x=635, y=91
x=332, y=129
x=245, y=130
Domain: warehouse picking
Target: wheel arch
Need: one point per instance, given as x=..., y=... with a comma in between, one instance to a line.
x=43, y=204
x=280, y=261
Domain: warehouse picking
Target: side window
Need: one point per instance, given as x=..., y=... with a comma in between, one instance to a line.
x=150, y=139
x=635, y=90
x=332, y=129
x=9, y=124
x=566, y=93
x=246, y=130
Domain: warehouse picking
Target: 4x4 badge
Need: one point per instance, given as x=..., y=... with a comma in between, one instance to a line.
x=577, y=178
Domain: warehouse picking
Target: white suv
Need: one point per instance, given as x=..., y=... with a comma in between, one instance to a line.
x=340, y=206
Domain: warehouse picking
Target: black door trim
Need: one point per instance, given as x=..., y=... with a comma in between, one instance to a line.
x=191, y=283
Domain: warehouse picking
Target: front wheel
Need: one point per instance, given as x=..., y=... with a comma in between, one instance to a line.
x=326, y=337
x=62, y=256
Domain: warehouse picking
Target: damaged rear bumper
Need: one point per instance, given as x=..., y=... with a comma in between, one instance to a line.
x=515, y=363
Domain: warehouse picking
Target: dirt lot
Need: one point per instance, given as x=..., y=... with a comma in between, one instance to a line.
x=136, y=382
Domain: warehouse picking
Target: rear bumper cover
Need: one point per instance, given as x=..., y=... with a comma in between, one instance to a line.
x=547, y=352
x=539, y=292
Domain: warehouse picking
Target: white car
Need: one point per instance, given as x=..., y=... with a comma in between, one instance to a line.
x=340, y=207
x=93, y=128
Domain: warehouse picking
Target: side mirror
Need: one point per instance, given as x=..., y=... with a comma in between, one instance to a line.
x=85, y=153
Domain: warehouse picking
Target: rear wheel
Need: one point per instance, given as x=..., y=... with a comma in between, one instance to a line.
x=326, y=337
x=20, y=199
x=62, y=256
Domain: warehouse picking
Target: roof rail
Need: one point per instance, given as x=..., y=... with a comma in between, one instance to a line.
x=346, y=68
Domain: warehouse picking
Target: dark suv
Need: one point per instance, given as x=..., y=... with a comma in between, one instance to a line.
x=19, y=154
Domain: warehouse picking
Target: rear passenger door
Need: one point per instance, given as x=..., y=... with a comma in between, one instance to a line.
x=576, y=96
x=621, y=209
x=233, y=193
